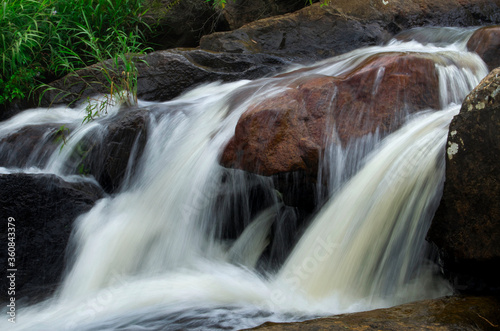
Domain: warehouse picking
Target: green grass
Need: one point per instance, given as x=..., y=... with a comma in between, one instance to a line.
x=42, y=40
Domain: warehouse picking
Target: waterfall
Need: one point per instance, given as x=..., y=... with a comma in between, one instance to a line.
x=152, y=257
x=378, y=219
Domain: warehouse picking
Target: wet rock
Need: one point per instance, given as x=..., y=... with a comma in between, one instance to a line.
x=109, y=157
x=107, y=154
x=288, y=131
x=317, y=32
x=466, y=227
x=486, y=43
x=44, y=208
x=444, y=314
x=30, y=146
x=307, y=35
x=164, y=75
x=240, y=197
x=170, y=73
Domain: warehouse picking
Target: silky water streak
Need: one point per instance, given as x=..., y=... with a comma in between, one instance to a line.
x=367, y=243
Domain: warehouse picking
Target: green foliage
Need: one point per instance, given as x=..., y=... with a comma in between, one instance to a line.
x=42, y=40
x=61, y=135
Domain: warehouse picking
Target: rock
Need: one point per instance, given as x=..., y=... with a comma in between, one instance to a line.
x=444, y=314
x=109, y=157
x=44, y=208
x=240, y=197
x=164, y=75
x=28, y=147
x=241, y=12
x=288, y=131
x=107, y=153
x=177, y=23
x=466, y=227
x=486, y=43
x=167, y=74
x=317, y=32
x=307, y=35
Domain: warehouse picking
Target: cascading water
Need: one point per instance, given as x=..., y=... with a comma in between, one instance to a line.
x=149, y=258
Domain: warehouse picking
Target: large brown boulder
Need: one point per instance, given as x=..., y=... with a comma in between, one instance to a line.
x=466, y=227
x=486, y=43
x=318, y=32
x=284, y=136
x=444, y=314
x=287, y=132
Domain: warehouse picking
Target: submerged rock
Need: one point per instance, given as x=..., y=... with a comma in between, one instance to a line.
x=444, y=314
x=466, y=227
x=44, y=208
x=31, y=146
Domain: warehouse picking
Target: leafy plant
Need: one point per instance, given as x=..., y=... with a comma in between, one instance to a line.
x=116, y=72
x=42, y=40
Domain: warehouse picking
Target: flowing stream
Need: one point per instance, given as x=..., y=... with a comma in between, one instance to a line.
x=149, y=257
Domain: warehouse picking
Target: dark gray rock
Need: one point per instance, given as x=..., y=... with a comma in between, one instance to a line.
x=30, y=146
x=466, y=227
x=44, y=208
x=177, y=23
x=109, y=157
x=164, y=75
x=307, y=35
x=240, y=12
x=317, y=32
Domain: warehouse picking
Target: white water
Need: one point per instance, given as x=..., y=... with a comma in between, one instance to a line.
x=145, y=259
x=378, y=220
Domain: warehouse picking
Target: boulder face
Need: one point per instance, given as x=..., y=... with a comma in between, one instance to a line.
x=486, y=43
x=466, y=227
x=241, y=12
x=164, y=75
x=317, y=32
x=108, y=158
x=307, y=35
x=43, y=208
x=107, y=154
x=29, y=147
x=289, y=131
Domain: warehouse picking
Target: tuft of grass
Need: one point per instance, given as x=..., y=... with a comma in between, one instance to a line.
x=42, y=40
